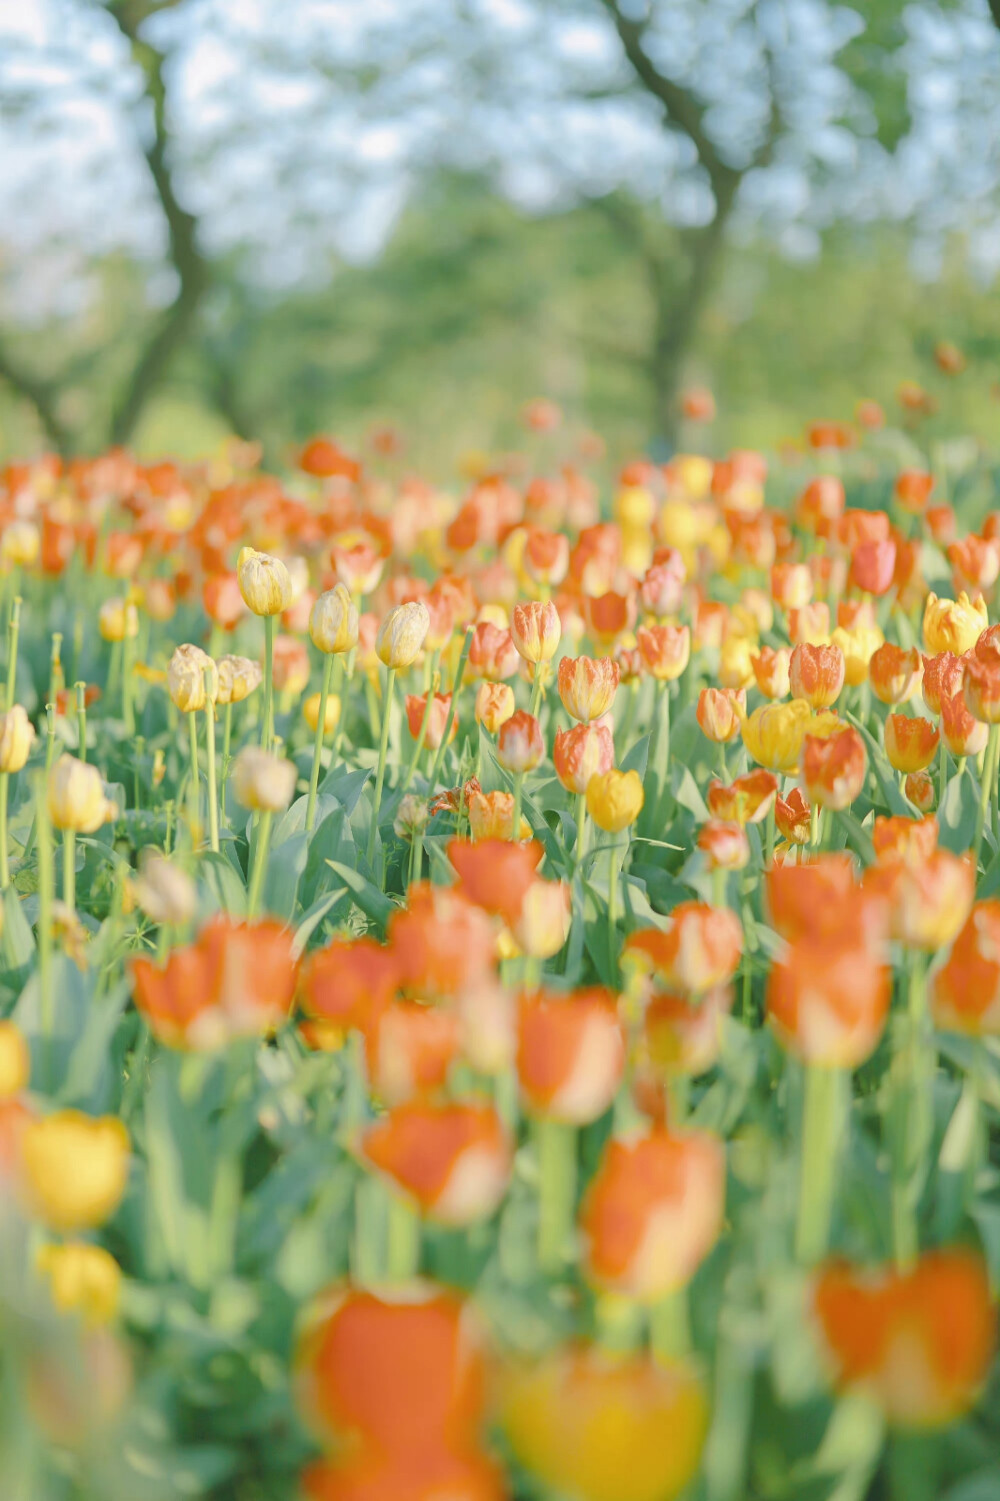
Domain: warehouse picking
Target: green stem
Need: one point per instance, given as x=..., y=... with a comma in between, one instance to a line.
x=390, y=683
x=456, y=689
x=213, y=801
x=615, y=864
x=669, y=1327
x=227, y=738
x=581, y=828
x=55, y=666
x=556, y=1190
x=324, y=694
x=4, y=865
x=821, y=1138
x=942, y=771
x=344, y=679
x=986, y=790
x=194, y=794
x=45, y=896
x=536, y=689
x=769, y=844
x=516, y=820
x=81, y=718
x=13, y=631
x=259, y=861
x=69, y=868
x=127, y=712
x=402, y=1240
x=114, y=670
x=268, y=725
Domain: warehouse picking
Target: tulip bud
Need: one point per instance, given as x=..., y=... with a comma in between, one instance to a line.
x=264, y=582
x=416, y=705
x=15, y=1061
x=962, y=733
x=910, y=744
x=262, y=781
x=665, y=650
x=118, y=618
x=954, y=624
x=75, y=1169
x=83, y=1279
x=747, y=800
x=720, y=713
x=615, y=799
x=536, y=631
x=582, y=752
x=724, y=845
x=771, y=671
x=570, y=1053
x=331, y=718
x=17, y=736
x=401, y=634
x=165, y=892
x=468, y=1146
x=411, y=816
x=186, y=678
x=495, y=704
x=919, y=788
x=20, y=543
x=587, y=686
x=238, y=678
x=333, y=623
x=700, y=950
x=793, y=817
x=491, y=816
x=76, y=797
x=894, y=673
x=520, y=745
x=816, y=673
x=773, y=734
x=834, y=769
x=543, y=920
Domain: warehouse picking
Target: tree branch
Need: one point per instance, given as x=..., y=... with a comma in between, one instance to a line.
x=41, y=394
x=191, y=267
x=995, y=11
x=679, y=106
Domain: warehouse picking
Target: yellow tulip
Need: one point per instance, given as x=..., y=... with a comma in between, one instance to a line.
x=615, y=799
x=264, y=582
x=75, y=1168
x=84, y=1279
x=773, y=733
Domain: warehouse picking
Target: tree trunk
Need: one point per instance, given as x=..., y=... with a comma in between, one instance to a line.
x=41, y=395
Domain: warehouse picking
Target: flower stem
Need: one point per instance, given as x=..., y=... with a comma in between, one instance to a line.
x=942, y=771
x=69, y=868
x=669, y=1327
x=4, y=866
x=213, y=800
x=986, y=790
x=822, y=1126
x=127, y=712
x=45, y=893
x=536, y=690
x=324, y=694
x=424, y=721
x=13, y=630
x=81, y=718
x=267, y=729
x=402, y=1240
x=259, y=861
x=581, y=828
x=194, y=794
x=556, y=1190
x=390, y=683
x=456, y=689
x=515, y=823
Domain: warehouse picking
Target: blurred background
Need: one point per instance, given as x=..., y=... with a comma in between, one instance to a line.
x=270, y=218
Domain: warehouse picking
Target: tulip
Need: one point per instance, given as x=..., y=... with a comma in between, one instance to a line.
x=311, y=708
x=981, y=689
x=401, y=636
x=816, y=674
x=192, y=679
x=427, y=715
x=15, y=1061
x=492, y=653
x=961, y=732
x=720, y=713
x=810, y=624
x=20, y=543
x=736, y=664
x=409, y=1049
x=581, y=753
x=77, y=805
x=900, y=838
x=910, y=744
x=793, y=817
x=976, y=562
x=662, y=589
x=683, y=1034
x=965, y=992
x=118, y=619
x=334, y=621
x=535, y=631
x=724, y=845
x=894, y=673
x=491, y=816
x=165, y=892
x=873, y=565
x=543, y=921
x=495, y=873
x=834, y=769
x=699, y=951
x=238, y=678
x=83, y=1279
x=587, y=687
x=347, y=982
x=546, y=556
x=665, y=650
x=918, y=787
x=442, y=942
x=520, y=745
x=954, y=624
x=17, y=736
x=590, y=1426
x=653, y=1212
x=264, y=582
x=223, y=601
x=773, y=734
x=919, y=1341
x=828, y=1001
x=495, y=703
x=453, y=1160
x=75, y=1169
x=771, y=671
x=858, y=644
x=929, y=900
x=570, y=1054
x=608, y=617
x=614, y=799
x=749, y=799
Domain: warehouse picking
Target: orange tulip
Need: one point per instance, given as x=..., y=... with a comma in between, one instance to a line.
x=910, y=744
x=928, y=900
x=820, y=505
x=454, y=1159
x=345, y=981
x=749, y=799
x=913, y=490
x=665, y=650
x=369, y=1474
x=920, y=1341
x=436, y=721
x=720, y=712
x=975, y=562
x=587, y=687
x=920, y=790
x=495, y=703
x=536, y=631
x=546, y=556
x=812, y=899
x=700, y=950
x=834, y=769
x=809, y=624
x=492, y=653
x=962, y=732
x=894, y=673
x=828, y=1001
x=662, y=589
x=791, y=585
x=901, y=838
x=410, y=1049
x=491, y=816
x=724, y=845
x=235, y=980
x=570, y=1053
x=609, y=616
x=816, y=673
x=582, y=752
x=652, y=1212
x=771, y=671
x=442, y=943
x=981, y=688
x=495, y=873
x=793, y=816
x=942, y=679
x=683, y=1035
x=520, y=746
x=965, y=993
x=873, y=565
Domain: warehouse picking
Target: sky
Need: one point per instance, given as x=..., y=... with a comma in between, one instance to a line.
x=286, y=159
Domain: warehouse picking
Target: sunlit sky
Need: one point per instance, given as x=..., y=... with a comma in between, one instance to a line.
x=285, y=158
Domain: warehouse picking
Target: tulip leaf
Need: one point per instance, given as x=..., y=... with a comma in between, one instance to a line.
x=373, y=903
x=958, y=811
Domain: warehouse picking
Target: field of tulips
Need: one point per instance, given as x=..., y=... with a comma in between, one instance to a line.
x=501, y=982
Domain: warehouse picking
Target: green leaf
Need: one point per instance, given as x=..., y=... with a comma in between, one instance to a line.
x=374, y=903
